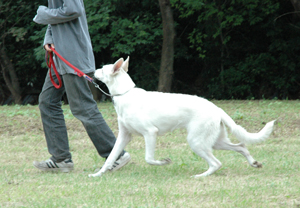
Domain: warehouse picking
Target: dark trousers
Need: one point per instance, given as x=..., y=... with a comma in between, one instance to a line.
x=82, y=106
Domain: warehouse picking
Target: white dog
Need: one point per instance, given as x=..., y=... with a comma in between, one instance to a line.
x=152, y=114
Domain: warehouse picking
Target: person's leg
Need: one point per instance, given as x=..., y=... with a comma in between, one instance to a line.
x=84, y=108
x=53, y=121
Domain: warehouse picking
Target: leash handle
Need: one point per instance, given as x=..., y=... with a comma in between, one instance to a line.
x=50, y=64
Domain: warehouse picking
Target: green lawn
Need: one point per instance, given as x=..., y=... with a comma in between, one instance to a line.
x=138, y=184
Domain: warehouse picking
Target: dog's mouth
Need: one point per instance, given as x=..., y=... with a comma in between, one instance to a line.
x=96, y=80
x=100, y=84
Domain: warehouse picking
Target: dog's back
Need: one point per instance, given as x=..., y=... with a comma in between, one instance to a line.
x=166, y=111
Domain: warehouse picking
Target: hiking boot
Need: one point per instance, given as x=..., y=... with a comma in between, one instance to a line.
x=122, y=161
x=65, y=166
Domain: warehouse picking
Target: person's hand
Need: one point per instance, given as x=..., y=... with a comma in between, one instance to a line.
x=47, y=47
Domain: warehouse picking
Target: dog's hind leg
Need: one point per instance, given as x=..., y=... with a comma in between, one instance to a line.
x=201, y=143
x=223, y=143
x=150, y=143
x=213, y=162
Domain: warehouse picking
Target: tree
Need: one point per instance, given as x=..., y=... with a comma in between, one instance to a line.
x=167, y=55
x=127, y=28
x=242, y=52
x=296, y=4
x=10, y=76
x=17, y=63
x=8, y=70
x=240, y=49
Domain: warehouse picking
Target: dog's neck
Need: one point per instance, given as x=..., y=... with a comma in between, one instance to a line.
x=115, y=95
x=121, y=84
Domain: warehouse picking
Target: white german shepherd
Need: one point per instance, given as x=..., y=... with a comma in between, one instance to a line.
x=152, y=114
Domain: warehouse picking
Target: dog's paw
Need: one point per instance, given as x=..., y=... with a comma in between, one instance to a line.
x=91, y=175
x=166, y=161
x=198, y=176
x=256, y=164
x=95, y=175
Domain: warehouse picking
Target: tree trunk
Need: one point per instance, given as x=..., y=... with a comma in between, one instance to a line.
x=296, y=5
x=223, y=48
x=167, y=56
x=10, y=76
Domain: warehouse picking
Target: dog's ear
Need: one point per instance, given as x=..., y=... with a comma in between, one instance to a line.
x=117, y=66
x=125, y=65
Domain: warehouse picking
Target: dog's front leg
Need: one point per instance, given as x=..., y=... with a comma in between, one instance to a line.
x=123, y=139
x=150, y=143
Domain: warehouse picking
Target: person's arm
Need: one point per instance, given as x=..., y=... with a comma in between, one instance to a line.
x=70, y=10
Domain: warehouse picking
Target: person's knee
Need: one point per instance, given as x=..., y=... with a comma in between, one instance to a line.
x=46, y=102
x=42, y=102
x=84, y=113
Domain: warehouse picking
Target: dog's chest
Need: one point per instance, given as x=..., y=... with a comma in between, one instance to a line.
x=130, y=124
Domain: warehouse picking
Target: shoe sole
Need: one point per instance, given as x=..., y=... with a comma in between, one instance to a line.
x=63, y=170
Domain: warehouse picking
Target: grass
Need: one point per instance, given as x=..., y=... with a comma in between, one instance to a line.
x=138, y=184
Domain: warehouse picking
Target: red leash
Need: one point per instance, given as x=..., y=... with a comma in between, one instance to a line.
x=51, y=64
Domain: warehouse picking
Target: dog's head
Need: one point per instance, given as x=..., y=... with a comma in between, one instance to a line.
x=107, y=72
x=115, y=76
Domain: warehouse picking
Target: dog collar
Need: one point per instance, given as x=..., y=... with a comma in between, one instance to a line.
x=122, y=93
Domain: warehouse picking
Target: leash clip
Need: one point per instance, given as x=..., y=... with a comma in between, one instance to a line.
x=97, y=86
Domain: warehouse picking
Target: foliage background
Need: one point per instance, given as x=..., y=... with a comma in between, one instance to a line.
x=241, y=49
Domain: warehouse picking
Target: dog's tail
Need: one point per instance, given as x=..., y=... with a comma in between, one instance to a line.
x=242, y=135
